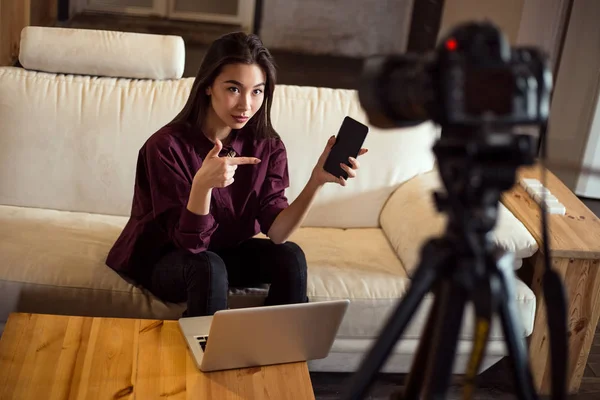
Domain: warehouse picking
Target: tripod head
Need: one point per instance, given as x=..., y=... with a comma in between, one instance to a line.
x=475, y=168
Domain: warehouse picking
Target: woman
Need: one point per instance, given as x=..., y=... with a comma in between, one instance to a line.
x=209, y=181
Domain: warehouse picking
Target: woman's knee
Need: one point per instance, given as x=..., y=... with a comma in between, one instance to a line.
x=293, y=259
x=207, y=284
x=206, y=268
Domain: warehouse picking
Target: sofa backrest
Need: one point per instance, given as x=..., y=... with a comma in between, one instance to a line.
x=70, y=142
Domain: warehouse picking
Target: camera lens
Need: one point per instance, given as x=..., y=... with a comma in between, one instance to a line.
x=396, y=91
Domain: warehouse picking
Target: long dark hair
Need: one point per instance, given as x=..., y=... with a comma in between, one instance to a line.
x=236, y=47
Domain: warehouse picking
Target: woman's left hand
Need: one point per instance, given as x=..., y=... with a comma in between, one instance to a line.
x=320, y=176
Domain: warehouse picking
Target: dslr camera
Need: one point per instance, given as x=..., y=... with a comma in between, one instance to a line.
x=472, y=78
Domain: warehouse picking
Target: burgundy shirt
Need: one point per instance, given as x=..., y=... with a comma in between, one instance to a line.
x=160, y=220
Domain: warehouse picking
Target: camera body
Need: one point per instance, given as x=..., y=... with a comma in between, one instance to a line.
x=473, y=78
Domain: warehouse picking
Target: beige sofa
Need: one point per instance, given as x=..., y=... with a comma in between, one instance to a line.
x=71, y=122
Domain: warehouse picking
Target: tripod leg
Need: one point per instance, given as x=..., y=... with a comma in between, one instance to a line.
x=445, y=338
x=482, y=302
x=414, y=382
x=502, y=288
x=434, y=257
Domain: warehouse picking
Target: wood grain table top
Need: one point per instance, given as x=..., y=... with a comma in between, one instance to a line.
x=573, y=235
x=67, y=357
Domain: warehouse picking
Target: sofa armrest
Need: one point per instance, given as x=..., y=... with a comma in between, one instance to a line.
x=410, y=218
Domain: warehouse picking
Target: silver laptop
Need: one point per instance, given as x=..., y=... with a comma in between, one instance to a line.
x=258, y=336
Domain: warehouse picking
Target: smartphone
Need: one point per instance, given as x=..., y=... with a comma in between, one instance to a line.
x=348, y=143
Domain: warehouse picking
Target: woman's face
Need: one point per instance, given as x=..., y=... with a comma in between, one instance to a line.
x=237, y=93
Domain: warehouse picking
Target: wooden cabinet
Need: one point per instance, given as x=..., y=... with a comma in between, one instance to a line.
x=574, y=245
x=17, y=14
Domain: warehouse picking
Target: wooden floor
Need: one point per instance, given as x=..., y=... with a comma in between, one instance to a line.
x=330, y=387
x=494, y=384
x=335, y=72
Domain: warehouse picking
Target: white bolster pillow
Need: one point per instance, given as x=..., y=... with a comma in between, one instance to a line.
x=102, y=53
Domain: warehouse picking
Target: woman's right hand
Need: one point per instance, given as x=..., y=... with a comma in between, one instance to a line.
x=218, y=172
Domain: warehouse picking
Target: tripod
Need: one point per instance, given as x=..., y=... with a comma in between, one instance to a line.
x=463, y=265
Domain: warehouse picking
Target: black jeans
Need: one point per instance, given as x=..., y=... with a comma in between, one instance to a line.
x=203, y=280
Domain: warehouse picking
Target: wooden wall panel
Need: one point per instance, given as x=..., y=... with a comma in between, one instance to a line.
x=17, y=14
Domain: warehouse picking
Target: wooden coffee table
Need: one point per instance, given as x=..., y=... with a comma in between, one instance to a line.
x=66, y=357
x=575, y=249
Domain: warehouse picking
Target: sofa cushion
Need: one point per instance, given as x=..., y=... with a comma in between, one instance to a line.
x=56, y=261
x=306, y=117
x=87, y=132
x=102, y=53
x=361, y=265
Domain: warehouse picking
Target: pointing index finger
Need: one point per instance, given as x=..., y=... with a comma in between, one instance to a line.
x=242, y=160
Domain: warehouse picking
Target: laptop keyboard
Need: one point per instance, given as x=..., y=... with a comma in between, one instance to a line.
x=202, y=340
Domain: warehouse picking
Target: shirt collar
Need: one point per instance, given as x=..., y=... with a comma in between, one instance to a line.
x=234, y=147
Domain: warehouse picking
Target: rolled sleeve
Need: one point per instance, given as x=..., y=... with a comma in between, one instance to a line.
x=194, y=231
x=194, y=223
x=269, y=214
x=273, y=199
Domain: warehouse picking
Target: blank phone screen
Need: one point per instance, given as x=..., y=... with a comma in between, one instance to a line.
x=349, y=141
